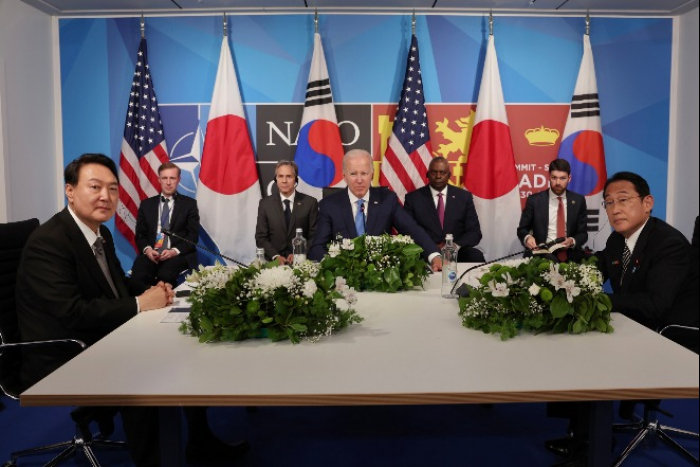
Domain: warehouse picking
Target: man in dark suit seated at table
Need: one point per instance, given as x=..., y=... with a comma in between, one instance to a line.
x=555, y=213
x=362, y=210
x=163, y=258
x=70, y=285
x=280, y=215
x=653, y=272
x=442, y=209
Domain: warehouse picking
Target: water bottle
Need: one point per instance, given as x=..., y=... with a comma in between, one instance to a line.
x=259, y=258
x=449, y=267
x=299, y=247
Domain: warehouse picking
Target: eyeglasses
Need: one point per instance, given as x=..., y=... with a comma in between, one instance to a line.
x=622, y=202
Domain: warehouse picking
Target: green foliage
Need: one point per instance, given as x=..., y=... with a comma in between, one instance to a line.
x=271, y=301
x=381, y=264
x=537, y=295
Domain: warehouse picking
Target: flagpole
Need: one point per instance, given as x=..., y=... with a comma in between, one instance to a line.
x=143, y=27
x=588, y=23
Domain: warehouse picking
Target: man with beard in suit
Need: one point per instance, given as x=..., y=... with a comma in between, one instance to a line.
x=555, y=213
x=442, y=209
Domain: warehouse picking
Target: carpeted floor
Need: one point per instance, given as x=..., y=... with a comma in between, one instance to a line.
x=467, y=435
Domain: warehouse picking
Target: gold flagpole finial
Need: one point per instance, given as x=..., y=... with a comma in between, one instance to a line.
x=413, y=23
x=143, y=27
x=316, y=21
x=491, y=23
x=225, y=25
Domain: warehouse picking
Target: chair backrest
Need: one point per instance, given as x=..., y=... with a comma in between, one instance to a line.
x=687, y=336
x=13, y=237
x=329, y=190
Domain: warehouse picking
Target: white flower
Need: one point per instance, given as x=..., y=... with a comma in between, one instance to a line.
x=350, y=296
x=340, y=284
x=498, y=289
x=211, y=277
x=333, y=250
x=270, y=279
x=348, y=244
x=309, y=289
x=534, y=290
x=571, y=290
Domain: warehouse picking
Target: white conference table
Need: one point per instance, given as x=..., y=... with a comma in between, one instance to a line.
x=410, y=349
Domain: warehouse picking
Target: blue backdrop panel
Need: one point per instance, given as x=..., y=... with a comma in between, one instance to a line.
x=539, y=59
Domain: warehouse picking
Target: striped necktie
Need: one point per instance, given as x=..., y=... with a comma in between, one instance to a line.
x=626, y=255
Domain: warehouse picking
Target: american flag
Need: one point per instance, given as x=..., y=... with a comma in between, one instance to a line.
x=143, y=148
x=408, y=153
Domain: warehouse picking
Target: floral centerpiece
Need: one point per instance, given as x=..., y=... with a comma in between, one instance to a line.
x=386, y=263
x=538, y=295
x=272, y=301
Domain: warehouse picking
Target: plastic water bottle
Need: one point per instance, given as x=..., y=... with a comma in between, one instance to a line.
x=449, y=267
x=299, y=247
x=259, y=258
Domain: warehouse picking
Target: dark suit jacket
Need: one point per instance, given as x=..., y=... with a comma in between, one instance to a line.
x=461, y=219
x=661, y=284
x=384, y=213
x=696, y=239
x=271, y=230
x=62, y=293
x=184, y=221
x=535, y=217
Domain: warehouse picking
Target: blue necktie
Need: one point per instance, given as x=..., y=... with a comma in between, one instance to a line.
x=165, y=221
x=360, y=217
x=165, y=215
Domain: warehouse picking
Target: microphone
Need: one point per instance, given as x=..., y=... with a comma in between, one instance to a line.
x=546, y=245
x=170, y=233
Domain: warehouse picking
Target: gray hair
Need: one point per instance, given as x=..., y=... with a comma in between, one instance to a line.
x=354, y=153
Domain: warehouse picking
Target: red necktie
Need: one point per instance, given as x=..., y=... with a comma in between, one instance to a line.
x=561, y=228
x=441, y=210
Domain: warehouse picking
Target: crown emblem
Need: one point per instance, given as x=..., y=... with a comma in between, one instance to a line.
x=541, y=136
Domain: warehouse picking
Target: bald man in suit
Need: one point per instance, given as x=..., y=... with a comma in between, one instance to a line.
x=442, y=209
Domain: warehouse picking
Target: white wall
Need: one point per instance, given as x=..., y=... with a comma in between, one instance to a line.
x=684, y=188
x=28, y=156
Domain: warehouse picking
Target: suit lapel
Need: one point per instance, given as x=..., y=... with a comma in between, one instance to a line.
x=637, y=256
x=298, y=203
x=151, y=207
x=85, y=255
x=571, y=208
x=345, y=208
x=432, y=209
x=177, y=207
x=375, y=199
x=112, y=262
